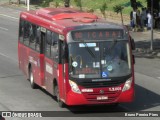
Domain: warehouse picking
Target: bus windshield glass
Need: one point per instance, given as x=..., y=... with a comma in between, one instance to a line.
x=103, y=59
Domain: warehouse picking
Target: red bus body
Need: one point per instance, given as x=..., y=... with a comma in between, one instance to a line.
x=47, y=72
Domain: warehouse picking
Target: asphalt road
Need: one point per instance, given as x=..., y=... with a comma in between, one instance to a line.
x=17, y=95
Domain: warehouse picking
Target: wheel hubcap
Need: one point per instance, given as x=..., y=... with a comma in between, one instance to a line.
x=31, y=78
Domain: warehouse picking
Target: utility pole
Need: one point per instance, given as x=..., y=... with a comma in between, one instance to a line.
x=28, y=2
x=151, y=25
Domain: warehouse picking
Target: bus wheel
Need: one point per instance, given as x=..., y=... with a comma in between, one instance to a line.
x=31, y=79
x=60, y=103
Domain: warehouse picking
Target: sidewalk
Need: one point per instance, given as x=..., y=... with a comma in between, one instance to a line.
x=143, y=44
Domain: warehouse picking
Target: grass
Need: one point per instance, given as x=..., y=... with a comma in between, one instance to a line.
x=96, y=4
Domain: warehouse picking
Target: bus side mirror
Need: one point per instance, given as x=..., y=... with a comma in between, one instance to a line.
x=133, y=44
x=133, y=58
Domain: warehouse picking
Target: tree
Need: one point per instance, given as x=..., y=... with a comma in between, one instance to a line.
x=133, y=4
x=103, y=9
x=119, y=9
x=79, y=4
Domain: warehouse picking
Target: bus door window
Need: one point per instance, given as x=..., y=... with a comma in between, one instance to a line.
x=27, y=29
x=51, y=46
x=48, y=44
x=43, y=38
x=63, y=52
x=32, y=36
x=62, y=60
x=38, y=39
x=21, y=30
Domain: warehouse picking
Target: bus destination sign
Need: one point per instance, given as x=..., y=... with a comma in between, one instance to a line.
x=97, y=34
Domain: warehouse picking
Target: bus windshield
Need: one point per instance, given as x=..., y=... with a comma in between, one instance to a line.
x=103, y=59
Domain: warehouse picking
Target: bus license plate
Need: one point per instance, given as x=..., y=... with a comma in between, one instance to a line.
x=102, y=97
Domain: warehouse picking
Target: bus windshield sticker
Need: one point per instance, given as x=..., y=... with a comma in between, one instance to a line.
x=103, y=62
x=96, y=65
x=97, y=49
x=74, y=64
x=81, y=76
x=104, y=74
x=109, y=68
x=88, y=45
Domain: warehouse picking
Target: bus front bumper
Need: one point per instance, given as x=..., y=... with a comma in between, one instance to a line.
x=83, y=99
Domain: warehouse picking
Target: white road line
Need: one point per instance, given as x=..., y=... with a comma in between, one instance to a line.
x=9, y=16
x=8, y=57
x=4, y=28
x=158, y=77
x=4, y=55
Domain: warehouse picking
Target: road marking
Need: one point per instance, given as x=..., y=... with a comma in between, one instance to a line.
x=4, y=55
x=158, y=77
x=8, y=57
x=9, y=16
x=4, y=28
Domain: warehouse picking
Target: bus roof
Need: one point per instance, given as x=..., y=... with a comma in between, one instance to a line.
x=61, y=18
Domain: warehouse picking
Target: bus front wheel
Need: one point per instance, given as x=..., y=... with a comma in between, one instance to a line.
x=60, y=103
x=31, y=79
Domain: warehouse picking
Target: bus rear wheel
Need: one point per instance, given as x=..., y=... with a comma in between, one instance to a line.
x=31, y=79
x=60, y=103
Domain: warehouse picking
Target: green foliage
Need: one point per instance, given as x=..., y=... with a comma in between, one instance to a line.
x=118, y=8
x=103, y=9
x=78, y=3
x=139, y=4
x=45, y=3
x=90, y=10
x=57, y=4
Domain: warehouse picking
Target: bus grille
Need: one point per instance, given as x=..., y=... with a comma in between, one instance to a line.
x=101, y=84
x=92, y=97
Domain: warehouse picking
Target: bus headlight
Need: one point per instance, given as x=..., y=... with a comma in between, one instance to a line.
x=74, y=87
x=127, y=85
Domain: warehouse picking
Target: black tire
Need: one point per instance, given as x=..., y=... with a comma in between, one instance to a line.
x=60, y=103
x=31, y=79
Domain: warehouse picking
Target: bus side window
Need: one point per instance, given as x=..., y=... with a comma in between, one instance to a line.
x=32, y=36
x=48, y=44
x=38, y=39
x=21, y=30
x=27, y=27
x=54, y=47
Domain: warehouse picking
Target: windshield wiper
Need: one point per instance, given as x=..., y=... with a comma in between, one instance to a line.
x=89, y=50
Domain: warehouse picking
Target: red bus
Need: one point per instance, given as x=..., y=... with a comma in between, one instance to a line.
x=76, y=56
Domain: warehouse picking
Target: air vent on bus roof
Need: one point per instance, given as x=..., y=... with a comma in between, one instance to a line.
x=62, y=16
x=58, y=12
